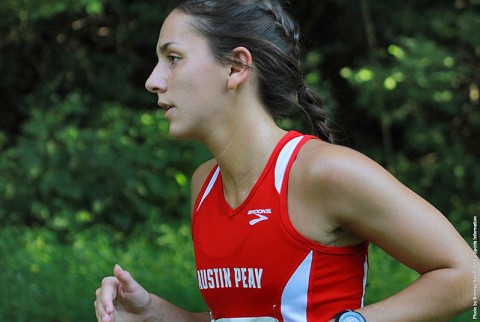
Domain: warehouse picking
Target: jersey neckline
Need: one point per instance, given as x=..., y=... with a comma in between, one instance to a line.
x=230, y=211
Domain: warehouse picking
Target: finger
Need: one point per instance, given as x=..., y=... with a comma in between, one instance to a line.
x=107, y=294
x=125, y=279
x=97, y=315
x=100, y=313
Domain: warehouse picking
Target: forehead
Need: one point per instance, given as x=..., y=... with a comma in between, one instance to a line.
x=178, y=29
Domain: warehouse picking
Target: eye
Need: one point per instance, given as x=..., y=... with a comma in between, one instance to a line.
x=173, y=59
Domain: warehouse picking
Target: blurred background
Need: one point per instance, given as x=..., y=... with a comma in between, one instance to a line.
x=89, y=176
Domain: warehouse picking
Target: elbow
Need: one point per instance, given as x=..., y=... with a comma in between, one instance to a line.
x=460, y=288
x=466, y=282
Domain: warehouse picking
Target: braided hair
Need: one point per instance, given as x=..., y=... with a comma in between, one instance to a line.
x=273, y=38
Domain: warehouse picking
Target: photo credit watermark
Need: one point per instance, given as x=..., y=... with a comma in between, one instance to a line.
x=475, y=268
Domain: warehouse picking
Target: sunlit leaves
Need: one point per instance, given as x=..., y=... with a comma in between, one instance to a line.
x=423, y=89
x=396, y=51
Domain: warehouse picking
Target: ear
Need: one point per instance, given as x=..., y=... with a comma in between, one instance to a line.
x=240, y=68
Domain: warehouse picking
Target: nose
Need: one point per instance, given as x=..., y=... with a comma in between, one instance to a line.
x=156, y=83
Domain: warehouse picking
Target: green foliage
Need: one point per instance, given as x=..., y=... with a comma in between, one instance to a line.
x=120, y=170
x=422, y=92
x=50, y=281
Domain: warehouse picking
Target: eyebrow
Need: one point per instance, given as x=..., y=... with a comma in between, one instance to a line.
x=163, y=48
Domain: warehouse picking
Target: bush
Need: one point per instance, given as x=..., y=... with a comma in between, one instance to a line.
x=119, y=170
x=45, y=280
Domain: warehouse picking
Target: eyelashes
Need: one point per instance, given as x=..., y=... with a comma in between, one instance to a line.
x=173, y=59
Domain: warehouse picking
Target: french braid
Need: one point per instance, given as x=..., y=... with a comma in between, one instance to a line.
x=285, y=23
x=310, y=102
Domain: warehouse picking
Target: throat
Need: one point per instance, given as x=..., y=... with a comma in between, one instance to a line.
x=245, y=167
x=236, y=193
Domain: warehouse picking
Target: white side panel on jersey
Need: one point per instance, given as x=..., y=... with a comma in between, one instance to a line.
x=209, y=187
x=282, y=161
x=365, y=274
x=295, y=294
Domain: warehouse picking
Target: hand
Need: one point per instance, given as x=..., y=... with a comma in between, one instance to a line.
x=121, y=299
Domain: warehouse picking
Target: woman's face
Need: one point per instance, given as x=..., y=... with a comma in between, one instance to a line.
x=191, y=86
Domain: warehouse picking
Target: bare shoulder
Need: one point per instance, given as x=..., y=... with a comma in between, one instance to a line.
x=336, y=165
x=199, y=177
x=361, y=197
x=343, y=182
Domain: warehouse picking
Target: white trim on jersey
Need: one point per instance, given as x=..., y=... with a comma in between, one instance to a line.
x=210, y=186
x=282, y=161
x=295, y=294
x=365, y=275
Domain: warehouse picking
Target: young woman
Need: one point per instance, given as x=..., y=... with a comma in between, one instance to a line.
x=281, y=220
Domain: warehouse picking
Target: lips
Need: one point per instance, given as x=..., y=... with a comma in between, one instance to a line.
x=165, y=106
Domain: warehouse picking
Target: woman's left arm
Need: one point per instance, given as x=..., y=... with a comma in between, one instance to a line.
x=365, y=200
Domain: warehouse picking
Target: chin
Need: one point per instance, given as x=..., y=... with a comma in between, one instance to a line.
x=181, y=134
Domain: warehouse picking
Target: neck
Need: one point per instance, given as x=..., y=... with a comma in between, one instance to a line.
x=242, y=153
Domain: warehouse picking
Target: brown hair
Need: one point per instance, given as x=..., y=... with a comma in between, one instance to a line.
x=273, y=38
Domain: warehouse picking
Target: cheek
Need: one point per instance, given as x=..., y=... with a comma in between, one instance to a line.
x=208, y=73
x=198, y=85
x=204, y=85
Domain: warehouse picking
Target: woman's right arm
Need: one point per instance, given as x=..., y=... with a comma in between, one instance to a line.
x=122, y=299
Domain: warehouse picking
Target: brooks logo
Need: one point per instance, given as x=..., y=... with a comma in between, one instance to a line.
x=260, y=213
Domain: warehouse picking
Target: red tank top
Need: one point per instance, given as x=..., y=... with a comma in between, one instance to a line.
x=252, y=262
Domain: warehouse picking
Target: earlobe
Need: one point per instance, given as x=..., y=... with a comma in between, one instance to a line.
x=240, y=68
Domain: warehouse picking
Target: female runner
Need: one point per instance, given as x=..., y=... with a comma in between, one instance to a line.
x=281, y=221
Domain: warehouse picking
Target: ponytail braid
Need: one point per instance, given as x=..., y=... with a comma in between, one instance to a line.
x=313, y=106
